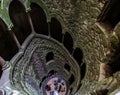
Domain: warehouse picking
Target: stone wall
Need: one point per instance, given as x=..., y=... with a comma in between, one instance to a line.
x=79, y=18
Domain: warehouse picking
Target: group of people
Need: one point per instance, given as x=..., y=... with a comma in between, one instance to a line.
x=56, y=86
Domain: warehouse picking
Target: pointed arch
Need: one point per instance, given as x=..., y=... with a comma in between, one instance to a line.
x=8, y=47
x=19, y=18
x=56, y=29
x=39, y=20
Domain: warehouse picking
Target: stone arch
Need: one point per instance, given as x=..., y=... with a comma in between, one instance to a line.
x=19, y=18
x=43, y=6
x=49, y=56
x=8, y=47
x=39, y=19
x=56, y=29
x=60, y=19
x=110, y=15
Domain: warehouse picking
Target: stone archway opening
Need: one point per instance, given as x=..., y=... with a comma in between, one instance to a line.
x=56, y=29
x=39, y=19
x=109, y=16
x=68, y=42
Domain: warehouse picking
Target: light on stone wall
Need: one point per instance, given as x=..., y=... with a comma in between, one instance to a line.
x=118, y=93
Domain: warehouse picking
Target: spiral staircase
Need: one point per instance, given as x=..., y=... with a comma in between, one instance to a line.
x=43, y=41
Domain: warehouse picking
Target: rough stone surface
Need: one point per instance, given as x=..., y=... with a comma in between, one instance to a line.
x=79, y=18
